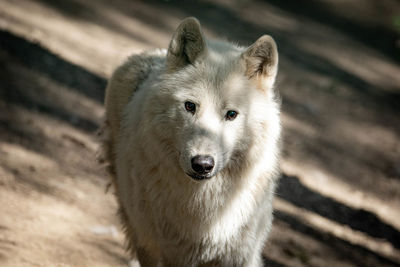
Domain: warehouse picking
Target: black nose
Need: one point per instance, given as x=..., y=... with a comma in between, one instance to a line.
x=202, y=164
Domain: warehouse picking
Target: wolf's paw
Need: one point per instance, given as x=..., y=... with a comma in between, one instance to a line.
x=133, y=263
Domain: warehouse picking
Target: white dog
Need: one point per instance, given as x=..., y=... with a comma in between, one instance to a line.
x=191, y=137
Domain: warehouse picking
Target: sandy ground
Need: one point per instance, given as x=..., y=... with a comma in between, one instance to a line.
x=338, y=202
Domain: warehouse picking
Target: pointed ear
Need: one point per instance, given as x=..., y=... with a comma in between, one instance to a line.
x=186, y=46
x=261, y=60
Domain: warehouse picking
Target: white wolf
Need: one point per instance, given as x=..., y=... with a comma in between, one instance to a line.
x=191, y=136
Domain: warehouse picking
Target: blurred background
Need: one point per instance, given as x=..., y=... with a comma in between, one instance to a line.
x=339, y=199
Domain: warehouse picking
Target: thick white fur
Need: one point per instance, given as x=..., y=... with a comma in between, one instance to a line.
x=171, y=219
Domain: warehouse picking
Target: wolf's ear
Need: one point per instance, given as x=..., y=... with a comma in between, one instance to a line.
x=261, y=60
x=186, y=46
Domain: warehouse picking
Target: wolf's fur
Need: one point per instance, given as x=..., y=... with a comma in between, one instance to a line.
x=149, y=140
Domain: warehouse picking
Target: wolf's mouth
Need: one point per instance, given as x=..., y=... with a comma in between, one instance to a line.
x=199, y=177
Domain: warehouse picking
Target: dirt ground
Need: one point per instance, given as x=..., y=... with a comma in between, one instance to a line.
x=339, y=199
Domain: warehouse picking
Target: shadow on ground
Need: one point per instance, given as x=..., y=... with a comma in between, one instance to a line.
x=37, y=59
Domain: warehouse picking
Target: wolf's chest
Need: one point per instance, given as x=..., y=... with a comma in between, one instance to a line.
x=218, y=220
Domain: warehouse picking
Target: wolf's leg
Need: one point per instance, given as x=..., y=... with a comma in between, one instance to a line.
x=255, y=261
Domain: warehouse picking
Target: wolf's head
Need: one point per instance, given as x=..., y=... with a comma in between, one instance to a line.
x=216, y=104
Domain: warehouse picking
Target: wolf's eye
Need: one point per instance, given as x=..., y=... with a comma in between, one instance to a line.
x=191, y=107
x=231, y=115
